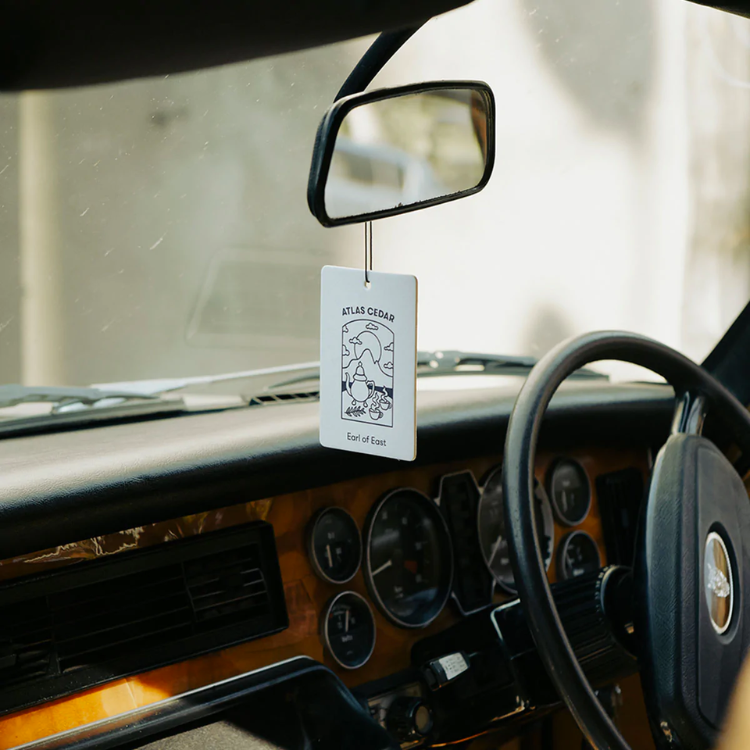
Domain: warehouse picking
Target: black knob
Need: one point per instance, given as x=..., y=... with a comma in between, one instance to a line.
x=409, y=718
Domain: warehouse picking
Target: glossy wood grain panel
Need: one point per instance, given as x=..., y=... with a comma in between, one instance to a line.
x=306, y=597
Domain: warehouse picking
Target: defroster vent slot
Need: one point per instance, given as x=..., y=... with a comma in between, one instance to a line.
x=97, y=621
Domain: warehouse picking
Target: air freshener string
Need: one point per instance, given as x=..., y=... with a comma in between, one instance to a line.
x=368, y=252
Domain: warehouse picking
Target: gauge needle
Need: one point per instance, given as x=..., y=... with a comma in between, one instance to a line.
x=328, y=555
x=383, y=567
x=495, y=548
x=346, y=621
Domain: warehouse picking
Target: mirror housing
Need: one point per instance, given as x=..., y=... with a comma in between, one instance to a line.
x=381, y=137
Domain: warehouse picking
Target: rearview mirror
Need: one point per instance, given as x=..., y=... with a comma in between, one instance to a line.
x=392, y=151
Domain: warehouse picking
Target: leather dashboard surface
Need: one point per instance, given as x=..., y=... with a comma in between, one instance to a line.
x=66, y=486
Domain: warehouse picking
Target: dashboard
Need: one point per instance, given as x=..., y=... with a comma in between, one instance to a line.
x=370, y=567
x=158, y=570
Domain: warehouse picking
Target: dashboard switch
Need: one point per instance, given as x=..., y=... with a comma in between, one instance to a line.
x=440, y=672
x=409, y=719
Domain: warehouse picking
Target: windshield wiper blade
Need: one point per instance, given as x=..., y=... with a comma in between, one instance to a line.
x=458, y=362
x=167, y=385
x=14, y=394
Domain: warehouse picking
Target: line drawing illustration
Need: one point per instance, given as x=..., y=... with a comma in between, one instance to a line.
x=367, y=350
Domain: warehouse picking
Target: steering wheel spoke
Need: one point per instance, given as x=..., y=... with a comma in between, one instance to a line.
x=689, y=412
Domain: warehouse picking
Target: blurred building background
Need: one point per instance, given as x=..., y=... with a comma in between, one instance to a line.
x=160, y=228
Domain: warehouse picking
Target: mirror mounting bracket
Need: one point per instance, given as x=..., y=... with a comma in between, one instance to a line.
x=375, y=59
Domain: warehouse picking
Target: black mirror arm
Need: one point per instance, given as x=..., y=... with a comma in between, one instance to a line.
x=375, y=59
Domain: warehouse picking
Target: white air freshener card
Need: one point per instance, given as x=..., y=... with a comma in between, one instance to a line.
x=368, y=362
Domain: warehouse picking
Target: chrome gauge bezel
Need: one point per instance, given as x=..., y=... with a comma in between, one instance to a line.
x=548, y=521
x=324, y=628
x=367, y=570
x=549, y=479
x=563, y=548
x=314, y=521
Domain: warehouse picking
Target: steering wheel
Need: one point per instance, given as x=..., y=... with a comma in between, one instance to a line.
x=692, y=557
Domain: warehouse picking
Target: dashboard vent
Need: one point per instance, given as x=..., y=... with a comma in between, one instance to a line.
x=26, y=648
x=98, y=621
x=620, y=494
x=226, y=587
x=459, y=503
x=94, y=623
x=278, y=398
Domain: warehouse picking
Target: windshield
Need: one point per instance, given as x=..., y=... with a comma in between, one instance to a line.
x=160, y=228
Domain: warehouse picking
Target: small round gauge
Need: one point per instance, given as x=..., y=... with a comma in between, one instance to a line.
x=569, y=490
x=348, y=629
x=492, y=537
x=334, y=545
x=408, y=558
x=578, y=554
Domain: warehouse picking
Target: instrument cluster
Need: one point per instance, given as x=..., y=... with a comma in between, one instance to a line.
x=416, y=552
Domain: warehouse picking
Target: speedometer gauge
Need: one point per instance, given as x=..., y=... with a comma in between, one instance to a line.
x=492, y=536
x=408, y=558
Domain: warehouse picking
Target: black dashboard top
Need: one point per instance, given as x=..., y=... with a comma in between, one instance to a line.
x=67, y=486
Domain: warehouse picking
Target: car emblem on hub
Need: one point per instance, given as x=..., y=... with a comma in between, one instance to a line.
x=717, y=582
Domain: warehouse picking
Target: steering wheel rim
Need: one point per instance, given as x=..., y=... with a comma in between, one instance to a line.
x=692, y=385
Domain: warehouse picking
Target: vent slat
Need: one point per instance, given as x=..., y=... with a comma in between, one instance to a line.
x=213, y=566
x=237, y=592
x=121, y=586
x=227, y=581
x=118, y=613
x=255, y=583
x=105, y=627
x=24, y=631
x=218, y=600
x=107, y=649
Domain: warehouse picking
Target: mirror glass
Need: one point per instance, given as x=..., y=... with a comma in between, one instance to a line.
x=408, y=149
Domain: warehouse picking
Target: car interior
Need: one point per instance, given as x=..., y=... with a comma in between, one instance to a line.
x=561, y=565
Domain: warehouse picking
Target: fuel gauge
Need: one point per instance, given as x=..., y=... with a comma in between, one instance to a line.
x=578, y=555
x=348, y=629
